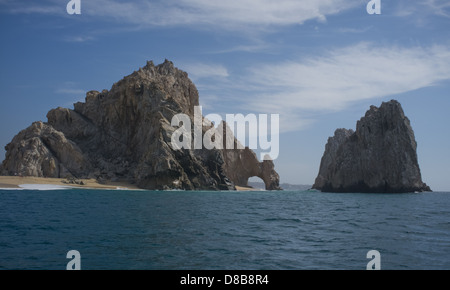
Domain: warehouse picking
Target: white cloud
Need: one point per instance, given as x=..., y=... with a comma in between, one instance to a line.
x=422, y=9
x=354, y=30
x=69, y=91
x=336, y=79
x=250, y=48
x=20, y=8
x=439, y=7
x=236, y=15
x=231, y=14
x=79, y=38
x=203, y=70
x=69, y=88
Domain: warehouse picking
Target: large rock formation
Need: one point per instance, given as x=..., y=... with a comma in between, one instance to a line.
x=125, y=134
x=380, y=156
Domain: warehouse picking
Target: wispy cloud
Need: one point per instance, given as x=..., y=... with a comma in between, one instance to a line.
x=250, y=48
x=235, y=15
x=231, y=14
x=422, y=9
x=79, y=38
x=339, y=77
x=204, y=70
x=69, y=88
x=27, y=7
x=354, y=30
x=69, y=91
x=439, y=7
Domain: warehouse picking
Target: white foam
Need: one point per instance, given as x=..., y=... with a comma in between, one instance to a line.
x=60, y=187
x=43, y=187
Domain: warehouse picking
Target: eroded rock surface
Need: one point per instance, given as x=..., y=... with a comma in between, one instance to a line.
x=42, y=151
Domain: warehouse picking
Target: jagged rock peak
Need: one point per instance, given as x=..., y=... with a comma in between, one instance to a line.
x=165, y=68
x=380, y=156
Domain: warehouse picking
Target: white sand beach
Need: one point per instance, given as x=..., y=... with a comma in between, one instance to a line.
x=43, y=183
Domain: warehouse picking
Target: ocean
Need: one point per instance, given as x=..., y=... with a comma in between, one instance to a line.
x=253, y=230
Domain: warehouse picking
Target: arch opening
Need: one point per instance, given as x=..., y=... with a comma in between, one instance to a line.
x=256, y=182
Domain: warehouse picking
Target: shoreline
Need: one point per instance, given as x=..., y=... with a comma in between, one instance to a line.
x=17, y=182
x=245, y=188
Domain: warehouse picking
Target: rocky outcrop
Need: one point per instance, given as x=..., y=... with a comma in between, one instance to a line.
x=42, y=151
x=380, y=156
x=125, y=134
x=240, y=165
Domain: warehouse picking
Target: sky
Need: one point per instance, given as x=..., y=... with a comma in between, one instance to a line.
x=319, y=64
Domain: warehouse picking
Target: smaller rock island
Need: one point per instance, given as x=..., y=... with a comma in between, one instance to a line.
x=380, y=156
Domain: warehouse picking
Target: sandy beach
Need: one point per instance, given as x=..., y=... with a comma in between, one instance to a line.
x=25, y=182
x=17, y=182
x=245, y=188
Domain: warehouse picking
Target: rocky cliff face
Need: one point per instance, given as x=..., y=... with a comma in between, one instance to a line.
x=380, y=156
x=125, y=134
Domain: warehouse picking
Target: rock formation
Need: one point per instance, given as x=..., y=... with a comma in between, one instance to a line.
x=240, y=165
x=125, y=134
x=380, y=156
x=42, y=151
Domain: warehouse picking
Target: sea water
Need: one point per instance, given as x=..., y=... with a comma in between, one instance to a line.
x=253, y=230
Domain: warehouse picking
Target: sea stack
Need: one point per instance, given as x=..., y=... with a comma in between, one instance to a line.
x=124, y=134
x=380, y=156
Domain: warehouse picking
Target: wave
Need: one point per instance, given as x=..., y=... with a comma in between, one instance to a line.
x=39, y=187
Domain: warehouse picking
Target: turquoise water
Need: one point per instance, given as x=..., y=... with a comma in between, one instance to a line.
x=222, y=230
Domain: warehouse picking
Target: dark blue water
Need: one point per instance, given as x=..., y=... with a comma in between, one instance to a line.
x=223, y=230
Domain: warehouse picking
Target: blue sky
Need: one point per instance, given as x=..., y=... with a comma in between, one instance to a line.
x=319, y=64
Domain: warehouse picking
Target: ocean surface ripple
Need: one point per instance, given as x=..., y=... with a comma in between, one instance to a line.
x=223, y=230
